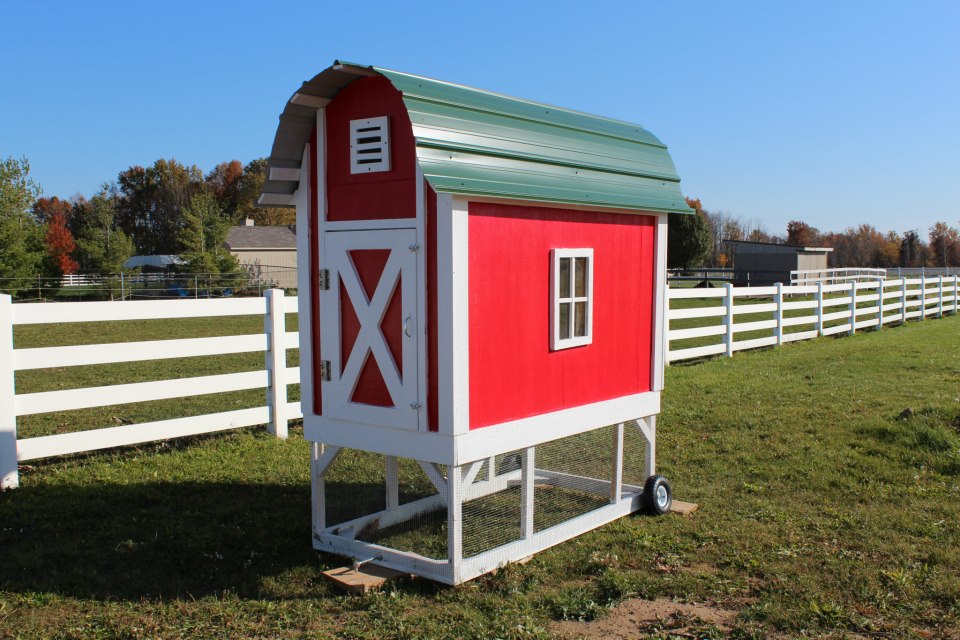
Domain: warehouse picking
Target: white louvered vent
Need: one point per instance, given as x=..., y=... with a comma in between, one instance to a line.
x=369, y=145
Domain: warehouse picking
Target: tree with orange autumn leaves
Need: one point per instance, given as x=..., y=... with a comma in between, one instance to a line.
x=60, y=245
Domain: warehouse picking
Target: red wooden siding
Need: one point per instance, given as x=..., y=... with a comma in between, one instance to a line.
x=513, y=373
x=370, y=196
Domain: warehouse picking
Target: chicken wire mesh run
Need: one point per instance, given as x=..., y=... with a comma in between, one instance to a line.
x=407, y=514
x=504, y=500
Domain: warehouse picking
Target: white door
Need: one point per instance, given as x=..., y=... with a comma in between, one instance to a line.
x=368, y=328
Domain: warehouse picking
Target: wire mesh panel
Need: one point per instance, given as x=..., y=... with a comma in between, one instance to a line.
x=491, y=510
x=634, y=455
x=354, y=486
x=573, y=477
x=418, y=523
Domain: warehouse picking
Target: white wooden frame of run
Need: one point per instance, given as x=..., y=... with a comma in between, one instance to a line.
x=854, y=305
x=274, y=342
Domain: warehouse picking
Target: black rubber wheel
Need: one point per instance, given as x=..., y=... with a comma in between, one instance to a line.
x=657, y=495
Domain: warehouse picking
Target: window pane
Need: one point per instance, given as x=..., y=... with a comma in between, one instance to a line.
x=564, y=321
x=580, y=320
x=564, y=277
x=580, y=277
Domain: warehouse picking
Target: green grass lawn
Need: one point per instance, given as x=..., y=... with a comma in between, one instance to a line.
x=821, y=514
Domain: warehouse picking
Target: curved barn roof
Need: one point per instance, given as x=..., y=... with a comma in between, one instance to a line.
x=479, y=143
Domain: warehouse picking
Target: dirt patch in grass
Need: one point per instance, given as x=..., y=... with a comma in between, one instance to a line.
x=635, y=616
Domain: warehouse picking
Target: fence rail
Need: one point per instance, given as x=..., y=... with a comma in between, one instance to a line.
x=274, y=377
x=135, y=285
x=832, y=276
x=798, y=312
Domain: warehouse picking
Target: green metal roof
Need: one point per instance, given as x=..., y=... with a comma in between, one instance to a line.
x=479, y=143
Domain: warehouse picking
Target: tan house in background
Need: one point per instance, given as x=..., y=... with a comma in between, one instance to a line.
x=268, y=253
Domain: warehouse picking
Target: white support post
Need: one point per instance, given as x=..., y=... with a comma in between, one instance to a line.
x=903, y=300
x=491, y=467
x=455, y=520
x=853, y=307
x=650, y=456
x=879, y=304
x=317, y=489
x=820, y=308
x=923, y=296
x=728, y=319
x=940, y=297
x=275, y=327
x=392, y=482
x=778, y=331
x=9, y=477
x=528, y=474
x=616, y=483
x=320, y=460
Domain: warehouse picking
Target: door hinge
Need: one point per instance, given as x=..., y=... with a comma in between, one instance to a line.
x=325, y=370
x=414, y=247
x=415, y=406
x=323, y=280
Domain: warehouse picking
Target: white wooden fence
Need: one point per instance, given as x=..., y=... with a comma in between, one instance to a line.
x=799, y=312
x=794, y=313
x=274, y=342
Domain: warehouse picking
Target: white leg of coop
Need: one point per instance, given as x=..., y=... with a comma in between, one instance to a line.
x=455, y=520
x=616, y=484
x=321, y=459
x=648, y=427
x=528, y=478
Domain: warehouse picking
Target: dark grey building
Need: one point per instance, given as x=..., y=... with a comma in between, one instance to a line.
x=764, y=263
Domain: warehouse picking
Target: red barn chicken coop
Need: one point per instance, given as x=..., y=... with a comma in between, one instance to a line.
x=482, y=295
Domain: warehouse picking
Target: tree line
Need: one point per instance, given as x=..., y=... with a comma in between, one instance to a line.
x=164, y=209
x=701, y=240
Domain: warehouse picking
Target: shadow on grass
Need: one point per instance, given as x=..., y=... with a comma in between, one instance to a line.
x=154, y=540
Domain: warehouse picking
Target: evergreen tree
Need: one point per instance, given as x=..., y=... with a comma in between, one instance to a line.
x=203, y=235
x=101, y=247
x=689, y=240
x=21, y=241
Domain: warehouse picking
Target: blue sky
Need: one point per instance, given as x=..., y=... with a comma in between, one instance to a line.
x=836, y=113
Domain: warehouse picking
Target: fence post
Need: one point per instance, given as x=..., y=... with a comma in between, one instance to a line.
x=820, y=308
x=728, y=319
x=9, y=479
x=940, y=297
x=923, y=294
x=853, y=307
x=880, y=282
x=903, y=300
x=956, y=293
x=275, y=326
x=778, y=332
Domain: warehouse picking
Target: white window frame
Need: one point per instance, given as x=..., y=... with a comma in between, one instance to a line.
x=558, y=342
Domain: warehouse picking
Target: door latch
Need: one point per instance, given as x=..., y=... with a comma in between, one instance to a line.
x=325, y=370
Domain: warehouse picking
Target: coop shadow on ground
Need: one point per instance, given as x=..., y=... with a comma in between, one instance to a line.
x=160, y=540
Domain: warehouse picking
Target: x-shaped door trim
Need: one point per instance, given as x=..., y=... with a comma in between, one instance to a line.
x=370, y=314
